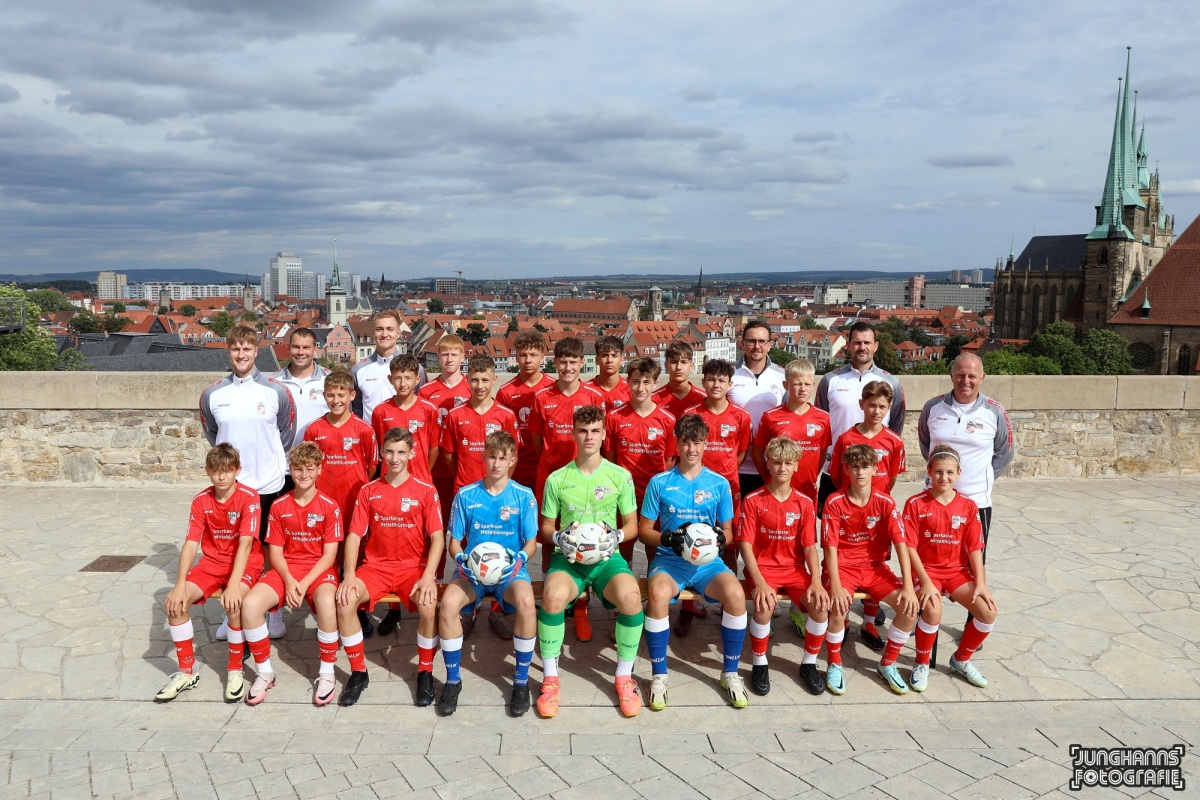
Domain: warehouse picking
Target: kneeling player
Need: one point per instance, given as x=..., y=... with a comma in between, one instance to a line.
x=777, y=533
x=224, y=525
x=945, y=544
x=503, y=511
x=860, y=525
x=304, y=531
x=403, y=518
x=687, y=493
x=589, y=489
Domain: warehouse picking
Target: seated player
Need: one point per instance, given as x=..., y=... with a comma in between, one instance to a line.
x=589, y=489
x=859, y=527
x=945, y=544
x=304, y=532
x=688, y=493
x=223, y=524
x=777, y=533
x=400, y=518
x=503, y=511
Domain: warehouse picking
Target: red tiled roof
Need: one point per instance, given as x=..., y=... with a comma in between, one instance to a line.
x=1173, y=286
x=582, y=305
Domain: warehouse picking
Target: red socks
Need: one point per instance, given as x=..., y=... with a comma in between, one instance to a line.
x=353, y=645
x=426, y=649
x=972, y=637
x=237, y=648
x=926, y=637
x=833, y=645
x=182, y=635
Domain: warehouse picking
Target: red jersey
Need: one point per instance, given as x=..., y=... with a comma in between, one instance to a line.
x=642, y=444
x=887, y=446
x=552, y=418
x=810, y=430
x=350, y=455
x=397, y=521
x=303, y=531
x=616, y=398
x=864, y=535
x=728, y=435
x=421, y=419
x=219, y=527
x=444, y=399
x=463, y=433
x=943, y=535
x=675, y=406
x=518, y=397
x=779, y=530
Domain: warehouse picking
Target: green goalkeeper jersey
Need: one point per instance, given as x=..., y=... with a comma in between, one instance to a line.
x=570, y=496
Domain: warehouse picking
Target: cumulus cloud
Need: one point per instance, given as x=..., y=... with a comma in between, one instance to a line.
x=970, y=158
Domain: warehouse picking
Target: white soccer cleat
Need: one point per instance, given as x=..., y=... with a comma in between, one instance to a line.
x=735, y=689
x=970, y=672
x=919, y=680
x=658, y=692
x=177, y=684
x=275, y=627
x=235, y=686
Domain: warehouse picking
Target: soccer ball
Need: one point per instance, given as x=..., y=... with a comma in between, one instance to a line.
x=588, y=538
x=487, y=561
x=700, y=544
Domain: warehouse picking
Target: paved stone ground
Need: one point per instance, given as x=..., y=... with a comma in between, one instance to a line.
x=1095, y=645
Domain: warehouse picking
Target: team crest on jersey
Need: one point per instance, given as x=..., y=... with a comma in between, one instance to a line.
x=313, y=519
x=313, y=394
x=406, y=503
x=872, y=521
x=506, y=513
x=726, y=430
x=881, y=454
x=653, y=433
x=700, y=496
x=261, y=408
x=812, y=429
x=414, y=425
x=973, y=426
x=233, y=517
x=491, y=428
x=601, y=492
x=956, y=522
x=348, y=443
x=792, y=518
x=458, y=401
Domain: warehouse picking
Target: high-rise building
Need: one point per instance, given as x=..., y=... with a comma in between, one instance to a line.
x=286, y=271
x=312, y=286
x=352, y=283
x=450, y=286
x=110, y=286
x=977, y=277
x=267, y=283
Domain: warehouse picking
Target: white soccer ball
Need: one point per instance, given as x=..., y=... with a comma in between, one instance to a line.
x=700, y=544
x=487, y=561
x=588, y=539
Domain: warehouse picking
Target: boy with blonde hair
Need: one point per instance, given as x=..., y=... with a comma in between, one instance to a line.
x=802, y=422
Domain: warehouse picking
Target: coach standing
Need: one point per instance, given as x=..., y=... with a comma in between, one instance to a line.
x=757, y=386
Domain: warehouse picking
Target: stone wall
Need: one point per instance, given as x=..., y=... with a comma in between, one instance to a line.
x=128, y=428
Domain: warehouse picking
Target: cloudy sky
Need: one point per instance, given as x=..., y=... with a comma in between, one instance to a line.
x=533, y=138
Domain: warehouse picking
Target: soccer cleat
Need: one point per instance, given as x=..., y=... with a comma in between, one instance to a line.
x=235, y=686
x=798, y=620
x=390, y=622
x=891, y=676
x=760, y=680
x=969, y=671
x=835, y=682
x=583, y=624
x=359, y=680
x=276, y=628
x=518, y=701
x=871, y=636
x=448, y=702
x=468, y=623
x=683, y=623
x=628, y=696
x=547, y=702
x=177, y=684
x=501, y=624
x=658, y=692
x=735, y=689
x=323, y=689
x=811, y=680
x=222, y=630
x=919, y=680
x=364, y=621
x=258, y=692
x=425, y=690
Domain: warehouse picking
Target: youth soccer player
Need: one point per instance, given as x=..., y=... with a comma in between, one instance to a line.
x=876, y=404
x=494, y=509
x=371, y=374
x=640, y=436
x=223, y=525
x=466, y=428
x=448, y=392
x=407, y=409
x=678, y=394
x=589, y=489
x=945, y=544
x=859, y=527
x=517, y=395
x=690, y=493
x=551, y=425
x=400, y=518
x=800, y=421
x=304, y=531
x=610, y=352
x=777, y=533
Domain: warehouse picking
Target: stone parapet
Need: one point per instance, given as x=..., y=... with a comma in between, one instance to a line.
x=114, y=427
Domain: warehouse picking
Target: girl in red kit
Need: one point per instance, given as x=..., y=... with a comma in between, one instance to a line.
x=945, y=545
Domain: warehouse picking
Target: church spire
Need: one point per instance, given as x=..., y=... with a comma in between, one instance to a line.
x=1110, y=222
x=336, y=283
x=1129, y=175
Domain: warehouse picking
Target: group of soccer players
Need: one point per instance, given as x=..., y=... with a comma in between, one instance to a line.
x=374, y=497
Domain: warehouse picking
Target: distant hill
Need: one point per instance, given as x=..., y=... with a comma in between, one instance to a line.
x=768, y=278
x=139, y=276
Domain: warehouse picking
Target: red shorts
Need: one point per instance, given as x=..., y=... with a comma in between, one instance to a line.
x=794, y=583
x=947, y=582
x=275, y=581
x=877, y=580
x=211, y=576
x=382, y=581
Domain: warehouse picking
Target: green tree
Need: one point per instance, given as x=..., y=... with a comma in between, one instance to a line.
x=85, y=322
x=162, y=310
x=1061, y=328
x=113, y=324
x=918, y=336
x=1010, y=362
x=939, y=367
x=248, y=316
x=1108, y=351
x=50, y=301
x=118, y=307
x=188, y=310
x=221, y=324
x=33, y=347
x=954, y=345
x=895, y=330
x=810, y=324
x=436, y=306
x=512, y=324
x=537, y=326
x=887, y=356
x=780, y=356
x=476, y=333
x=1062, y=351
